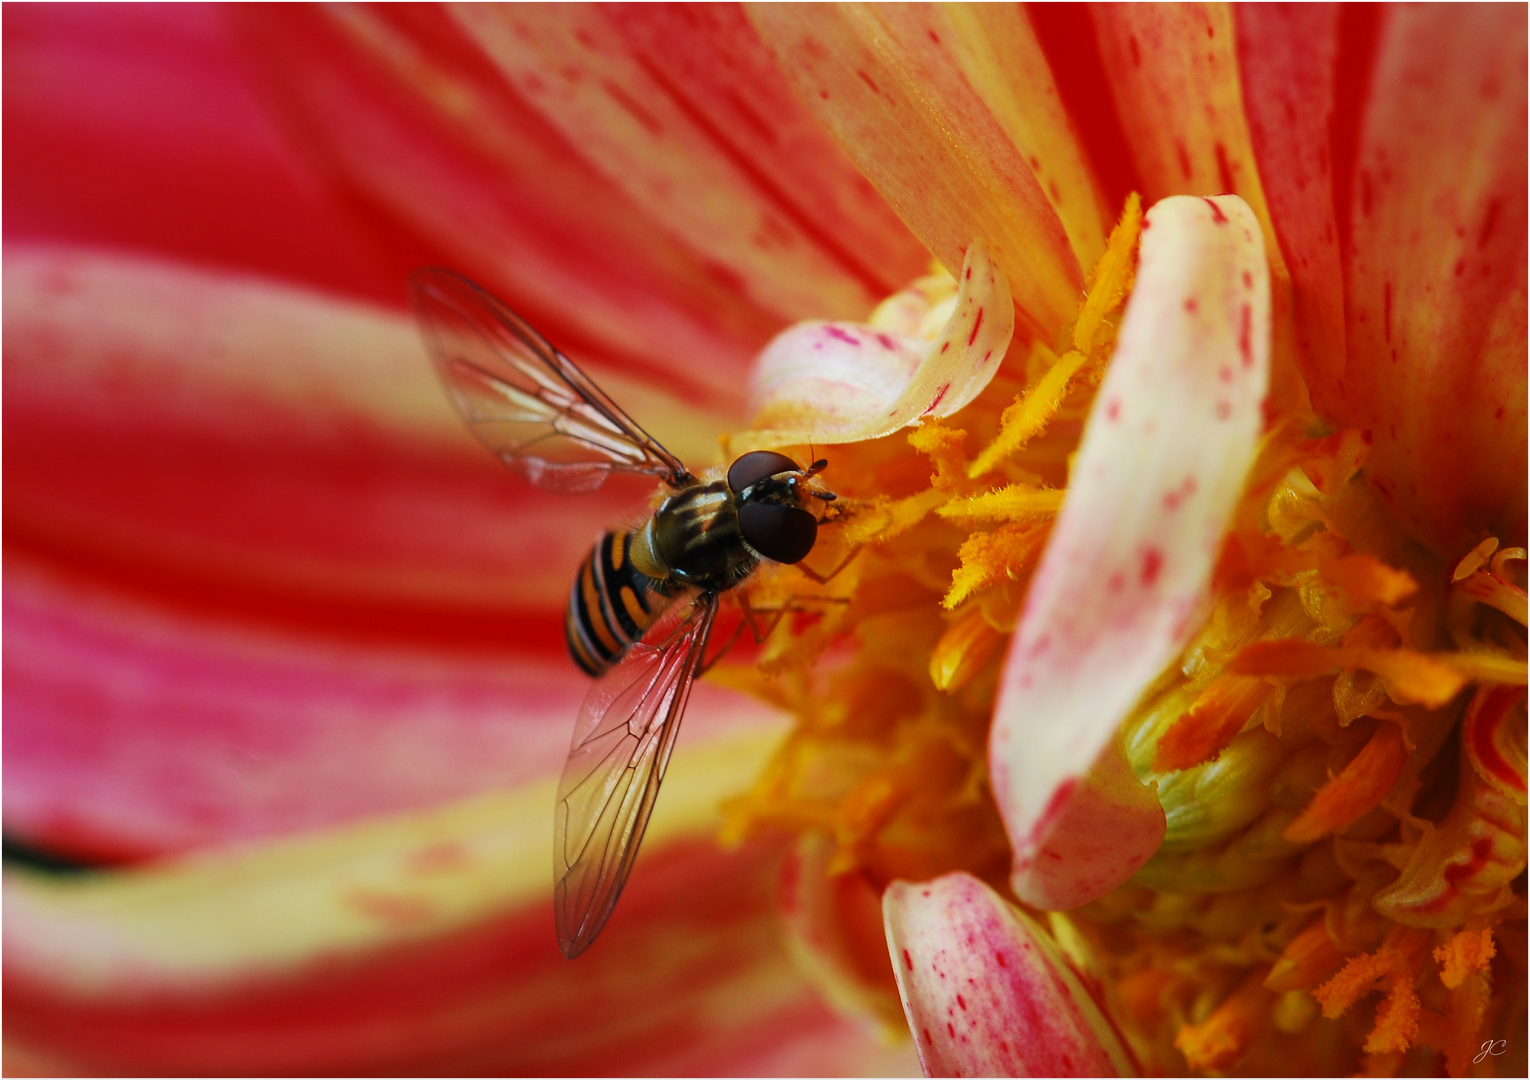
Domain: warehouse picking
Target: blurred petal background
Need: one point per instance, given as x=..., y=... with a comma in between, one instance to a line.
x=284, y=685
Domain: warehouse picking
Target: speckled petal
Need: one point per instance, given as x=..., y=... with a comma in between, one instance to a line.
x=1125, y=576
x=1173, y=71
x=1287, y=55
x=845, y=382
x=1436, y=277
x=986, y=991
x=916, y=127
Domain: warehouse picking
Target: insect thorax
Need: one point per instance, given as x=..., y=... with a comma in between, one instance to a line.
x=694, y=538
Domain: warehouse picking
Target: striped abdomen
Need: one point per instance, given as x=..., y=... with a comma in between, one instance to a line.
x=610, y=605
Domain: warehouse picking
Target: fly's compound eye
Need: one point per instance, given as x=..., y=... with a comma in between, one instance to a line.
x=783, y=534
x=755, y=466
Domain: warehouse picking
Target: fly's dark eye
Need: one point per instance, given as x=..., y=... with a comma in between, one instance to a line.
x=784, y=534
x=755, y=466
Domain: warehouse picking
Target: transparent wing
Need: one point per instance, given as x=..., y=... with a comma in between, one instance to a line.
x=523, y=399
x=622, y=741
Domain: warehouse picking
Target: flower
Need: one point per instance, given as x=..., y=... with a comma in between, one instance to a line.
x=644, y=184
x=1224, y=729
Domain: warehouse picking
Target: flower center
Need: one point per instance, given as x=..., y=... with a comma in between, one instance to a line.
x=1342, y=819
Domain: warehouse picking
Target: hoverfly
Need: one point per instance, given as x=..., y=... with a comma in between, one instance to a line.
x=644, y=601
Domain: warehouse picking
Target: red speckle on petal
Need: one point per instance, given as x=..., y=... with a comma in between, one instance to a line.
x=1224, y=410
x=1216, y=212
x=875, y=89
x=1152, y=563
x=967, y=274
x=1224, y=373
x=1248, y=280
x=1116, y=582
x=1191, y=305
x=1001, y=959
x=842, y=335
x=1041, y=644
x=886, y=342
x=961, y=1002
x=944, y=346
x=908, y=961
x=1173, y=499
x=1489, y=222
x=1246, y=335
x=950, y=1027
x=1113, y=409
x=977, y=324
x=939, y=394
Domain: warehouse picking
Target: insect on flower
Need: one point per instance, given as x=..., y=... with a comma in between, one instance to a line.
x=643, y=604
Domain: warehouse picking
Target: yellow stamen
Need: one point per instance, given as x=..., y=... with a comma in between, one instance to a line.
x=1221, y=1037
x=1358, y=789
x=1310, y=958
x=1411, y=676
x=1217, y=715
x=1474, y=559
x=1111, y=279
x=1016, y=502
x=963, y=649
x=1030, y=414
x=944, y=446
x=993, y=557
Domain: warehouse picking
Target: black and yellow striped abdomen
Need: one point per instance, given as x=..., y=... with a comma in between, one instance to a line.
x=610, y=605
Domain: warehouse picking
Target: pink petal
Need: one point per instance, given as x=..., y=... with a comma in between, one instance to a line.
x=422, y=945
x=1287, y=55
x=230, y=439
x=917, y=129
x=1173, y=70
x=1436, y=297
x=136, y=126
x=841, y=382
x=727, y=163
x=986, y=991
x=421, y=126
x=1125, y=575
x=995, y=48
x=134, y=730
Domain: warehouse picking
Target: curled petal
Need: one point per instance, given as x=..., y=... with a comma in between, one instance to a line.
x=843, y=382
x=1436, y=275
x=1464, y=865
x=1171, y=436
x=986, y=991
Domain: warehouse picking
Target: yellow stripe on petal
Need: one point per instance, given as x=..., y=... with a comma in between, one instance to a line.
x=266, y=909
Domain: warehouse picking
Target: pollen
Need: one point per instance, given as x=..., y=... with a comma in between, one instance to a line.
x=1466, y=952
